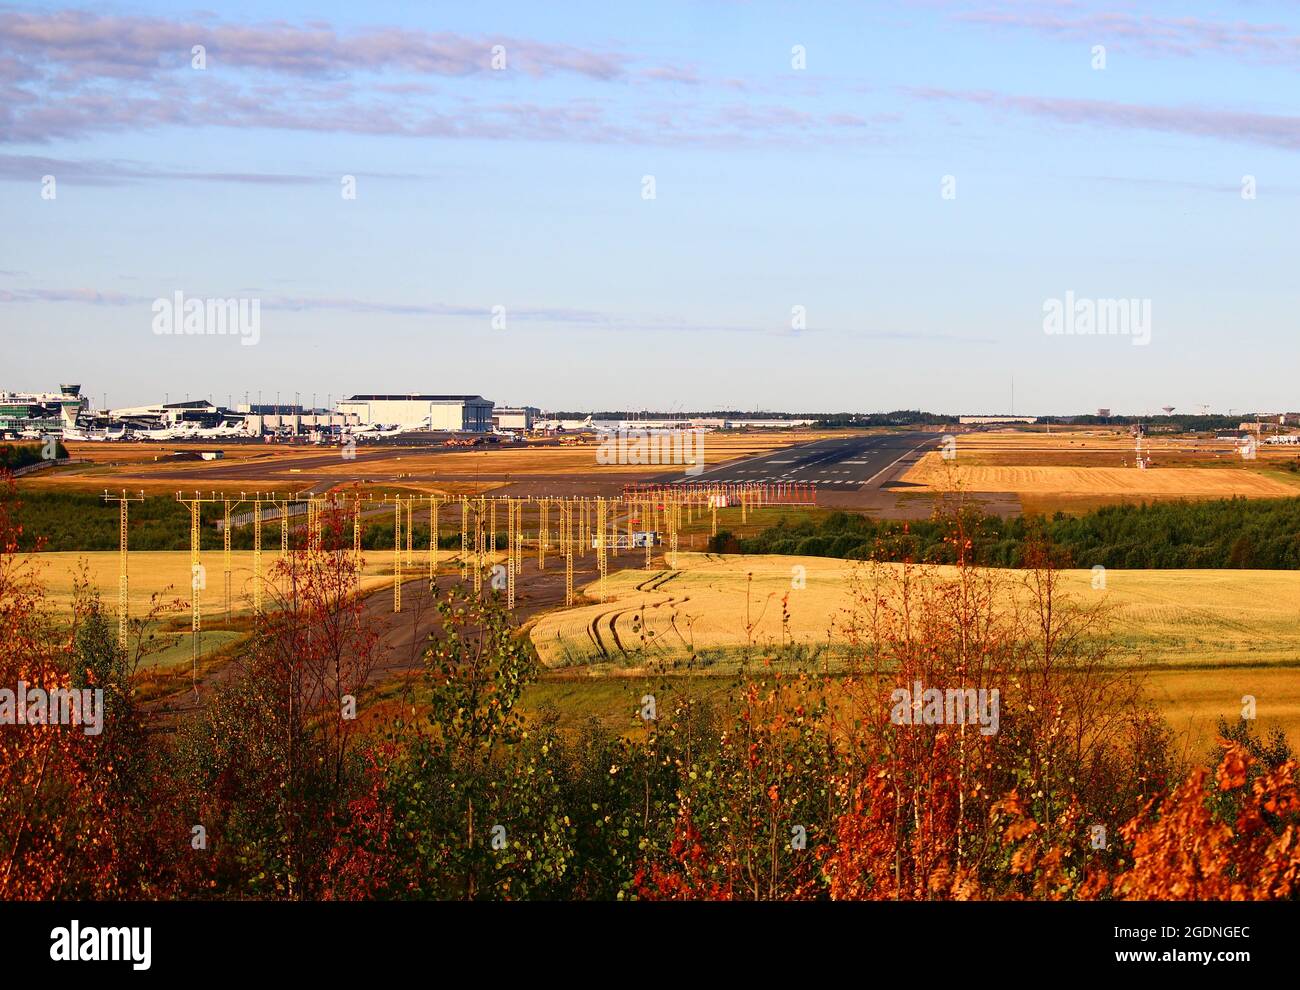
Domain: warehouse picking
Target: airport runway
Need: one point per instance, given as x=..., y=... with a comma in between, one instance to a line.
x=839, y=464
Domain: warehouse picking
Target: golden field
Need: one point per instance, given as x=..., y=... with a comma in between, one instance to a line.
x=1202, y=638
x=932, y=474
x=1081, y=465
x=1199, y=640
x=1201, y=618
x=167, y=574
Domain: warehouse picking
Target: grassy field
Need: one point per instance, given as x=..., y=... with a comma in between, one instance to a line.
x=1199, y=640
x=167, y=574
x=717, y=606
x=1191, y=701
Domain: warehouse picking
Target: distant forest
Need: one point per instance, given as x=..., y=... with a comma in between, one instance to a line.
x=14, y=457
x=1185, y=423
x=1226, y=533
x=73, y=521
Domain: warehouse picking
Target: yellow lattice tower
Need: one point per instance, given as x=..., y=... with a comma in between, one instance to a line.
x=478, y=546
x=434, y=503
x=356, y=532
x=257, y=553
x=410, y=528
x=492, y=529
x=508, y=505
x=464, y=537
x=198, y=579
x=713, y=508
x=225, y=545
x=519, y=533
x=283, y=507
x=397, y=553
x=582, y=526
x=613, y=526
x=542, y=506
x=520, y=540
x=196, y=582
x=123, y=604
x=512, y=538
x=602, y=538
x=566, y=524
x=323, y=505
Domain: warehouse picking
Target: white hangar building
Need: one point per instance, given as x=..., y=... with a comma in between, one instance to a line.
x=471, y=413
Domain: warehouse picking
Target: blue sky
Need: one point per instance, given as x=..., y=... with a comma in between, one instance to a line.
x=775, y=187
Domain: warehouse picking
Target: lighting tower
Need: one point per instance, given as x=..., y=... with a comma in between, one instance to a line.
x=123, y=501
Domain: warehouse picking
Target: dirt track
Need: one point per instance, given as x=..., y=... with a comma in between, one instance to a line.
x=403, y=636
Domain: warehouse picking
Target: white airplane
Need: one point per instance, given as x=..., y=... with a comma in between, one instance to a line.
x=92, y=436
x=370, y=431
x=563, y=425
x=422, y=425
x=165, y=433
x=222, y=430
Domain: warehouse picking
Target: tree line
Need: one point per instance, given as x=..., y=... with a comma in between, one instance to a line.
x=15, y=456
x=1223, y=533
x=78, y=522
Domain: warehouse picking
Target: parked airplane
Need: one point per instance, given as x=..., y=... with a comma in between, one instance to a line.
x=78, y=435
x=222, y=430
x=164, y=433
x=563, y=425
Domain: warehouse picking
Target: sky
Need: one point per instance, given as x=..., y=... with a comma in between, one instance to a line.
x=714, y=205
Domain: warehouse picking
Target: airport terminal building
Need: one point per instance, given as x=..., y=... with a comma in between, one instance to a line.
x=469, y=413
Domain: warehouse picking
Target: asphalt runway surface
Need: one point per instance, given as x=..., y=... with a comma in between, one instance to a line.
x=837, y=464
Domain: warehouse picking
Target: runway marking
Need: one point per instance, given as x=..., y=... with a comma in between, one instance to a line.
x=896, y=460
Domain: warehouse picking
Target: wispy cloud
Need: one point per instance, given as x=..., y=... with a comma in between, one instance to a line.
x=569, y=317
x=74, y=46
x=26, y=168
x=74, y=74
x=1272, y=130
x=1182, y=36
x=86, y=297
